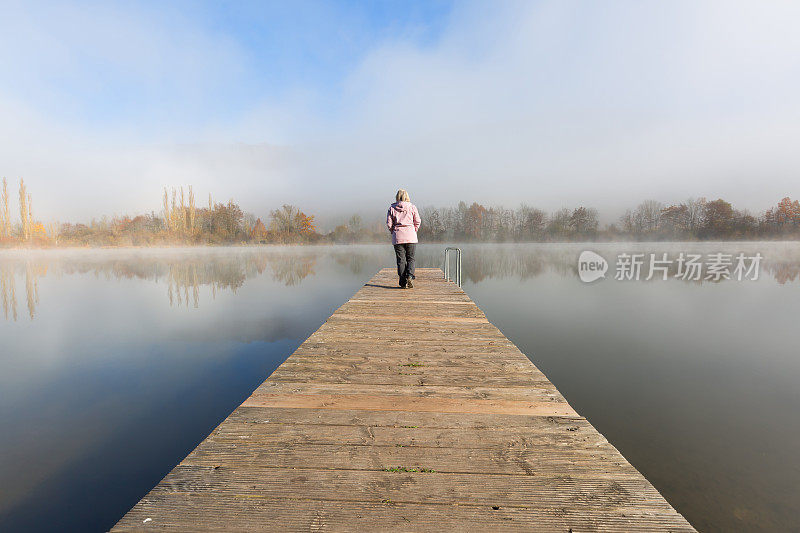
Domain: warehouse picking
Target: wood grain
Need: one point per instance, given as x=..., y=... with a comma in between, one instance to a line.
x=406, y=410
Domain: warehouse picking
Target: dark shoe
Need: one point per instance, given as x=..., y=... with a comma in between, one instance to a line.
x=409, y=285
x=402, y=284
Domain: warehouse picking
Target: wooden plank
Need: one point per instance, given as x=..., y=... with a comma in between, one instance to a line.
x=387, y=403
x=446, y=489
x=406, y=410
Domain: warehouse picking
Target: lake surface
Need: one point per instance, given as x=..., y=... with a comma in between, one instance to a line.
x=114, y=364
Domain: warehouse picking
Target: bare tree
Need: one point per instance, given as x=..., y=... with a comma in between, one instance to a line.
x=649, y=214
x=584, y=221
x=695, y=209
x=284, y=219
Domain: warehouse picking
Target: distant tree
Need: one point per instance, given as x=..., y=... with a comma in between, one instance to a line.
x=474, y=218
x=627, y=222
x=584, y=221
x=645, y=219
x=500, y=224
x=5, y=214
x=283, y=220
x=38, y=231
x=354, y=224
x=675, y=219
x=192, y=212
x=558, y=225
x=306, y=223
x=648, y=215
x=694, y=215
x=433, y=228
x=718, y=217
x=183, y=225
x=341, y=234
x=167, y=214
x=531, y=222
x=30, y=216
x=259, y=231
x=291, y=223
x=224, y=223
x=788, y=212
x=23, y=210
x=744, y=224
x=53, y=232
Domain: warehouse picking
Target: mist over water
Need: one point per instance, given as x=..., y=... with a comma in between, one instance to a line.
x=114, y=364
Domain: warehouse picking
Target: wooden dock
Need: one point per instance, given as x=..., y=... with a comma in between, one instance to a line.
x=408, y=411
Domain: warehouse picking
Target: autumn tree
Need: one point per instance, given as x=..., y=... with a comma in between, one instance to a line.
x=259, y=231
x=675, y=219
x=474, y=218
x=30, y=217
x=175, y=216
x=23, y=210
x=788, y=212
x=291, y=223
x=192, y=212
x=306, y=224
x=183, y=218
x=167, y=214
x=5, y=213
x=718, y=217
x=224, y=222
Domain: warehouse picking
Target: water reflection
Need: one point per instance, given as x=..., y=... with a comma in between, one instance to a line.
x=135, y=355
x=185, y=272
x=30, y=273
x=781, y=261
x=128, y=358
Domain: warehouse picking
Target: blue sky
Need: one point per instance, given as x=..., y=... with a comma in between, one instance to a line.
x=141, y=65
x=334, y=105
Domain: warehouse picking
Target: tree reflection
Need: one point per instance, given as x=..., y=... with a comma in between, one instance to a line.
x=291, y=270
x=185, y=273
x=31, y=271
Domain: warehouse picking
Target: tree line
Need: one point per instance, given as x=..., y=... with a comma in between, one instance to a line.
x=694, y=219
x=182, y=221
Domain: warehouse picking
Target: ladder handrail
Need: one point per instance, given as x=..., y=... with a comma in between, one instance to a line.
x=447, y=264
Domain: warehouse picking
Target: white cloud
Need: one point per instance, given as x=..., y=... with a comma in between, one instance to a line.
x=567, y=102
x=551, y=103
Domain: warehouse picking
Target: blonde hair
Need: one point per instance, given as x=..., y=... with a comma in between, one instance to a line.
x=402, y=196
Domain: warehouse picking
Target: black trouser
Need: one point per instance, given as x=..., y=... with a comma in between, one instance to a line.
x=405, y=261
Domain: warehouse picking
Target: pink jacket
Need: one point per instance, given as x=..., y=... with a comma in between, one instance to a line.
x=403, y=221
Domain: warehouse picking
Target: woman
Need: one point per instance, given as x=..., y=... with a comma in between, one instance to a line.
x=403, y=222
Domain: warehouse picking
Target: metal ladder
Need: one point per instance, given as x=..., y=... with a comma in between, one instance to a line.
x=447, y=264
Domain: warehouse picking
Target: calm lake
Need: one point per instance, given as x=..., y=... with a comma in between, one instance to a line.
x=114, y=364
